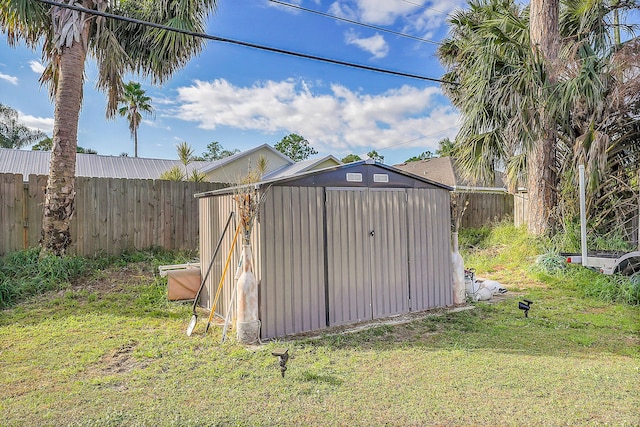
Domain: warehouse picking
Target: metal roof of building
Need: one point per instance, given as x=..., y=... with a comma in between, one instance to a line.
x=29, y=162
x=298, y=167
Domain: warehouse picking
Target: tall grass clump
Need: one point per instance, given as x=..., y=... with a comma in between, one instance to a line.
x=614, y=289
x=24, y=274
x=610, y=288
x=498, y=247
x=568, y=239
x=155, y=256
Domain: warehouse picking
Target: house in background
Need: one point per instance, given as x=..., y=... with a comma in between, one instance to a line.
x=488, y=202
x=445, y=171
x=228, y=170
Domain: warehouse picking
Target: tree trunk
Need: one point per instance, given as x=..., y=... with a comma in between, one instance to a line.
x=135, y=143
x=60, y=192
x=542, y=182
x=541, y=161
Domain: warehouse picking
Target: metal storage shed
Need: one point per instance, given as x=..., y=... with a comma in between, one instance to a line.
x=341, y=245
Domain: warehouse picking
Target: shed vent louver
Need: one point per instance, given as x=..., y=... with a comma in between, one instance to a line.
x=380, y=177
x=354, y=177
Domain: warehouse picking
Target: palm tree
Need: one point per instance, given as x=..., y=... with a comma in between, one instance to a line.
x=135, y=102
x=14, y=134
x=68, y=36
x=536, y=115
x=488, y=56
x=185, y=155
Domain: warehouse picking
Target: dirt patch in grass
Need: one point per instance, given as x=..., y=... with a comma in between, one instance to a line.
x=114, y=278
x=378, y=323
x=120, y=361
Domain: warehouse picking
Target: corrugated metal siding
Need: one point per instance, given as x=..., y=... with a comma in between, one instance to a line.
x=367, y=276
x=429, y=248
x=389, y=257
x=348, y=256
x=28, y=162
x=292, y=297
x=214, y=212
x=367, y=254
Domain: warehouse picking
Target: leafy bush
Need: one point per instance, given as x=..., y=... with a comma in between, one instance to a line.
x=550, y=263
x=568, y=240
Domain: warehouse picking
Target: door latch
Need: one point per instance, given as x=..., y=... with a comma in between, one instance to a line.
x=372, y=233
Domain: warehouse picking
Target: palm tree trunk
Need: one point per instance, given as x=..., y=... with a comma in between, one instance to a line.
x=60, y=192
x=541, y=161
x=135, y=143
x=542, y=181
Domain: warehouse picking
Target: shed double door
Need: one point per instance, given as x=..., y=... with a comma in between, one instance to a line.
x=367, y=254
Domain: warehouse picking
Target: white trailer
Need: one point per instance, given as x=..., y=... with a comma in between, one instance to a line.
x=627, y=263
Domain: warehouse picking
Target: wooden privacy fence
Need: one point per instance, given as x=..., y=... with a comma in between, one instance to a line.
x=520, y=208
x=111, y=215
x=485, y=208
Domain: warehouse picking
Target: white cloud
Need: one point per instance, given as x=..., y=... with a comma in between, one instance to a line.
x=155, y=124
x=45, y=124
x=162, y=100
x=11, y=79
x=418, y=16
x=376, y=45
x=338, y=121
x=434, y=16
x=36, y=66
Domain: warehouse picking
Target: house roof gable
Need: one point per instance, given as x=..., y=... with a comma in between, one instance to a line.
x=238, y=156
x=301, y=167
x=445, y=171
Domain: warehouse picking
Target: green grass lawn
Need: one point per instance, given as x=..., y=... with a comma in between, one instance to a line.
x=110, y=350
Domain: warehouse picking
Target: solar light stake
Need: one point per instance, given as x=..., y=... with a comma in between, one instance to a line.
x=526, y=305
x=283, y=355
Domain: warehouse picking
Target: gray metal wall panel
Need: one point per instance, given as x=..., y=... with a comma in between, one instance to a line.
x=214, y=212
x=207, y=229
x=389, y=258
x=288, y=246
x=348, y=256
x=429, y=249
x=292, y=283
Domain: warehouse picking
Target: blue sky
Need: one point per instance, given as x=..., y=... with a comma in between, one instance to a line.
x=244, y=97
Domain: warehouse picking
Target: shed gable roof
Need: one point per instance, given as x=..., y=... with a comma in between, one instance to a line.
x=362, y=174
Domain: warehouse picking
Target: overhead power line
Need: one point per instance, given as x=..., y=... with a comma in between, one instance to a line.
x=362, y=24
x=424, y=7
x=245, y=44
